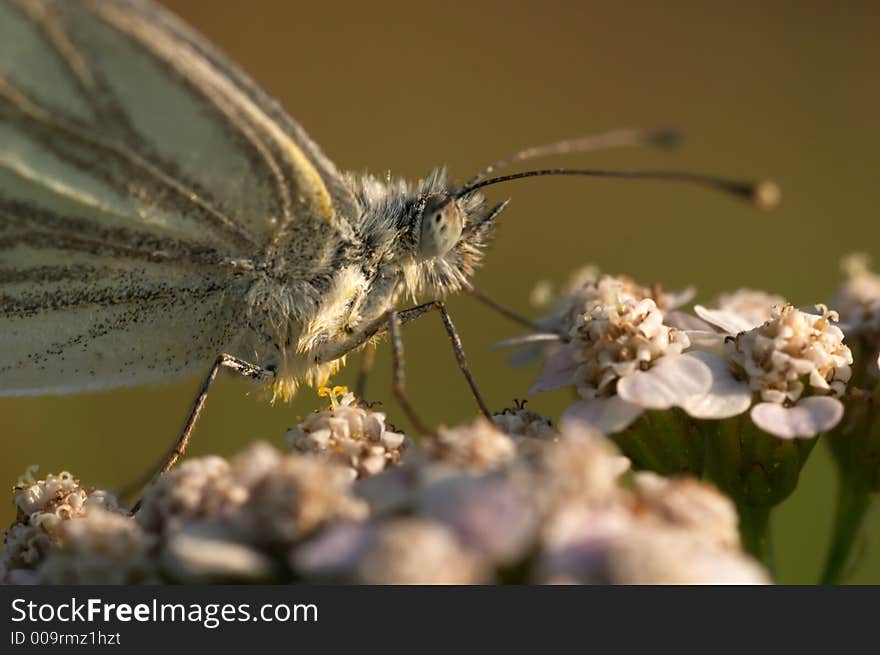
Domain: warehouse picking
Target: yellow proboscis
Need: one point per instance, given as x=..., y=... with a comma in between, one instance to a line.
x=334, y=393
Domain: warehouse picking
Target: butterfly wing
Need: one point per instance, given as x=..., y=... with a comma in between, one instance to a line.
x=141, y=175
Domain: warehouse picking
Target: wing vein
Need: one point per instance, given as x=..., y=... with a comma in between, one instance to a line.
x=299, y=172
x=231, y=114
x=73, y=142
x=47, y=230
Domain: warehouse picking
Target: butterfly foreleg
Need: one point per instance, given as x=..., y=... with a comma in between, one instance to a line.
x=395, y=320
x=367, y=360
x=398, y=379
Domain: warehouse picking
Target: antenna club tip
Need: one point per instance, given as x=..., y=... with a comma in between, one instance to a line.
x=665, y=138
x=766, y=194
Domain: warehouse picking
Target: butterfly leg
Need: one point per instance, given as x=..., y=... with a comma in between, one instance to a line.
x=398, y=379
x=395, y=320
x=367, y=360
x=241, y=367
x=223, y=361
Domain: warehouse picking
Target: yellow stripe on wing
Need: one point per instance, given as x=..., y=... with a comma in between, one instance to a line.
x=222, y=92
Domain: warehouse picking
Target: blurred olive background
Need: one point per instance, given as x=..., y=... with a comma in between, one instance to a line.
x=786, y=90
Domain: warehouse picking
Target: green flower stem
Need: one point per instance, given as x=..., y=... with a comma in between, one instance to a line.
x=754, y=530
x=853, y=501
x=855, y=446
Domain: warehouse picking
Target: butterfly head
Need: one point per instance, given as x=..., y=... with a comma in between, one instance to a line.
x=440, y=226
x=447, y=233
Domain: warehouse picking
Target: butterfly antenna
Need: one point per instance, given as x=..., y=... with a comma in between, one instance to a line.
x=763, y=194
x=661, y=138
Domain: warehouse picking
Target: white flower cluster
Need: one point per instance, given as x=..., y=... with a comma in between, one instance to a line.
x=790, y=351
x=858, y=298
x=752, y=305
x=350, y=434
x=587, y=288
x=529, y=430
x=858, y=302
x=417, y=551
x=49, y=512
x=56, y=498
x=521, y=422
x=193, y=490
x=664, y=532
x=477, y=446
x=476, y=506
x=584, y=289
x=207, y=519
x=624, y=355
x=295, y=497
x=564, y=510
x=261, y=493
x=617, y=336
x=101, y=547
x=795, y=363
x=623, y=359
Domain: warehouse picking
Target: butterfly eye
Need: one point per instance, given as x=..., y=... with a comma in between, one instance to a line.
x=440, y=231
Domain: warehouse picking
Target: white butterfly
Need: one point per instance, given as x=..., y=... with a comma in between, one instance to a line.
x=160, y=212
